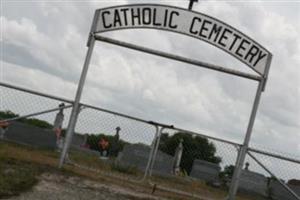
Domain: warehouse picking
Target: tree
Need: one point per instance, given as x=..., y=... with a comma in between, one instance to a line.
x=31, y=121
x=7, y=114
x=193, y=148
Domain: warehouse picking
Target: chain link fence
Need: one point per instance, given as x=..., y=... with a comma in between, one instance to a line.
x=167, y=158
x=30, y=116
x=193, y=164
x=280, y=174
x=111, y=143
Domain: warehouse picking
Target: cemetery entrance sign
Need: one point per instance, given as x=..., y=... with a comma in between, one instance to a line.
x=185, y=22
x=190, y=23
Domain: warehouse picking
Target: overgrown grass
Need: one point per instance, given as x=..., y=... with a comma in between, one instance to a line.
x=16, y=176
x=124, y=169
x=20, y=165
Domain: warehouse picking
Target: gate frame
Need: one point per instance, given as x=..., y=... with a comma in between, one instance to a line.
x=91, y=43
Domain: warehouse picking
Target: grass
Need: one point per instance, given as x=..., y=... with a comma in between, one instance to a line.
x=16, y=176
x=124, y=169
x=20, y=165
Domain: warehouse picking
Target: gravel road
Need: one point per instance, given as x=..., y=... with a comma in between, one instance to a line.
x=60, y=187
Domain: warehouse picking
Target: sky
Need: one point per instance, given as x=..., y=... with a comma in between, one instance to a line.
x=43, y=47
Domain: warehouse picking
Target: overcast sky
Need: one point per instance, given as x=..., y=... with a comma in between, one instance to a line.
x=43, y=46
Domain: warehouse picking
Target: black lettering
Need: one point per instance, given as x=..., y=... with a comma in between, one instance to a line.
x=135, y=16
x=223, y=36
x=215, y=30
x=146, y=16
x=252, y=53
x=192, y=25
x=117, y=19
x=103, y=19
x=236, y=37
x=166, y=18
x=260, y=56
x=171, y=25
x=241, y=47
x=124, y=10
x=155, y=23
x=204, y=28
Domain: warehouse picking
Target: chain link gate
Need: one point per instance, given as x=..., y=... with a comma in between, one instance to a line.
x=281, y=171
x=29, y=116
x=129, y=143
x=152, y=150
x=198, y=165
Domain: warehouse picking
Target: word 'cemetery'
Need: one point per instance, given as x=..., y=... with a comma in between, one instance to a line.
x=189, y=23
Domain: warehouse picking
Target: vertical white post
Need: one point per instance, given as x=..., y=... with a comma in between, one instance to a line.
x=153, y=146
x=76, y=105
x=243, y=150
x=155, y=150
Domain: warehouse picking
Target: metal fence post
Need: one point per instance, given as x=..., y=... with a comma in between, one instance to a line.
x=155, y=150
x=151, y=152
x=243, y=150
x=76, y=105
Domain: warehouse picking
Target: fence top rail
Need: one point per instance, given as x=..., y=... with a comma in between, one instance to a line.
x=115, y=113
x=7, y=85
x=206, y=136
x=274, y=155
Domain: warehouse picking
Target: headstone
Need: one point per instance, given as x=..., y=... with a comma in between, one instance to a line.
x=253, y=183
x=278, y=192
x=117, y=136
x=78, y=140
x=30, y=135
x=205, y=170
x=137, y=155
x=177, y=158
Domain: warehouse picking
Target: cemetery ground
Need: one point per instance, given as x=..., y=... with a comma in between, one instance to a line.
x=31, y=173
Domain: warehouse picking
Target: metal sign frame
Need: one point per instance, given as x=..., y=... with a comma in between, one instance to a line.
x=261, y=78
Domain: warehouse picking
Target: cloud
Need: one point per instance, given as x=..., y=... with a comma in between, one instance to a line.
x=45, y=42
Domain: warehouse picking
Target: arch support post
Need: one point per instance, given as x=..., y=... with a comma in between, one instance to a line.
x=244, y=148
x=76, y=104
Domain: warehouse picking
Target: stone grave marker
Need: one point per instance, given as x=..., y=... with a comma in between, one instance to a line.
x=278, y=192
x=253, y=183
x=137, y=155
x=205, y=170
x=30, y=135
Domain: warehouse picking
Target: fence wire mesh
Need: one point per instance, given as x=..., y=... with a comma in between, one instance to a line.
x=112, y=144
x=124, y=147
x=192, y=164
x=26, y=130
x=273, y=170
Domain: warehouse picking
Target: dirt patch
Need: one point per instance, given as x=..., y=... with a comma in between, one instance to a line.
x=55, y=186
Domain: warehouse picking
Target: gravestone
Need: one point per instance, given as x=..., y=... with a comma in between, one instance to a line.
x=30, y=135
x=205, y=170
x=278, y=192
x=253, y=183
x=78, y=140
x=137, y=155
